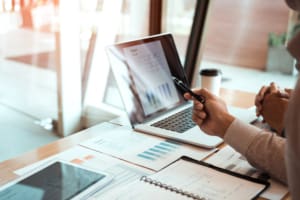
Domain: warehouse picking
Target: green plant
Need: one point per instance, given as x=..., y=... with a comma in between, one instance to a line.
x=296, y=29
x=277, y=40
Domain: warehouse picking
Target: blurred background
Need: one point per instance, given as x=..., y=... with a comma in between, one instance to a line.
x=54, y=75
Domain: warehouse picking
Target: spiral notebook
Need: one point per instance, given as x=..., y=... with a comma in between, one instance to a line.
x=187, y=178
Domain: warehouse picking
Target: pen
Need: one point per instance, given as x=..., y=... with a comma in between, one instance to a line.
x=185, y=88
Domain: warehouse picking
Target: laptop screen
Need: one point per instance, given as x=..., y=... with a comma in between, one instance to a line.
x=143, y=70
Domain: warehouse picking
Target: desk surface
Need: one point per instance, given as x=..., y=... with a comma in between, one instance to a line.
x=231, y=97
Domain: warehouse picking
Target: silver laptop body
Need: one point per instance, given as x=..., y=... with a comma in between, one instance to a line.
x=143, y=70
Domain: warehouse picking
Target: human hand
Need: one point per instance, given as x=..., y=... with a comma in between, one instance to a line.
x=266, y=90
x=260, y=96
x=287, y=93
x=273, y=109
x=212, y=117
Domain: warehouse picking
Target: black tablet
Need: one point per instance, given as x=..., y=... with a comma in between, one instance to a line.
x=56, y=181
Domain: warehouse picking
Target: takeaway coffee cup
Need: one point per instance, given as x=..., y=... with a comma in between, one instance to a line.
x=211, y=80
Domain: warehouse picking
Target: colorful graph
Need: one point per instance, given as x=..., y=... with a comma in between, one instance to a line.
x=154, y=97
x=160, y=150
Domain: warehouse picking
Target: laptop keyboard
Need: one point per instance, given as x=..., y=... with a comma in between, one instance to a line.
x=179, y=122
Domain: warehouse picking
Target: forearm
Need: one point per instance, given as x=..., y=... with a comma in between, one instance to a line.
x=262, y=149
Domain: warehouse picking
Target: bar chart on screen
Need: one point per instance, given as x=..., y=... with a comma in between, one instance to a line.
x=161, y=95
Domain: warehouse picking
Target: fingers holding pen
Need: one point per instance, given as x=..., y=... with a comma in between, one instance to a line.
x=199, y=113
x=212, y=116
x=202, y=92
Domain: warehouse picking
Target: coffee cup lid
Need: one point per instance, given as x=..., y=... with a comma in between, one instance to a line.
x=210, y=72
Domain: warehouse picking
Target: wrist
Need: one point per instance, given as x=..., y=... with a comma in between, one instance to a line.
x=226, y=122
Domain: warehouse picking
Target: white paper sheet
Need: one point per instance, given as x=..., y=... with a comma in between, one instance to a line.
x=123, y=173
x=190, y=178
x=145, y=150
x=247, y=115
x=229, y=159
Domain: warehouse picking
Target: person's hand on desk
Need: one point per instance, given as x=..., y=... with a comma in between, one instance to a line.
x=271, y=104
x=212, y=116
x=273, y=110
x=265, y=91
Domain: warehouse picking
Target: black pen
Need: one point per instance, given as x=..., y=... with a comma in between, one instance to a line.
x=185, y=88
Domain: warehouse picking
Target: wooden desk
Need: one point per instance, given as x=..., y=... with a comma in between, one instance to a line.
x=238, y=98
x=231, y=97
x=9, y=166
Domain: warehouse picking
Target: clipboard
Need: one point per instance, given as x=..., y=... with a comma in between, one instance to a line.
x=197, y=185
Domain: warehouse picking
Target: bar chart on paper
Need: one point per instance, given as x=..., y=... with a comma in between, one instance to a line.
x=144, y=150
x=159, y=150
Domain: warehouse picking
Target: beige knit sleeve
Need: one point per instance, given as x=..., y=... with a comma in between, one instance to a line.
x=264, y=150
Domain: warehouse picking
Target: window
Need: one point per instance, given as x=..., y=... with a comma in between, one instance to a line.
x=131, y=21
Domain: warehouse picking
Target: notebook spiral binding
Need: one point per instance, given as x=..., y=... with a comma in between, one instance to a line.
x=171, y=188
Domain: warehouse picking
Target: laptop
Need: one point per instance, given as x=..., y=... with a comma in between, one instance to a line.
x=144, y=70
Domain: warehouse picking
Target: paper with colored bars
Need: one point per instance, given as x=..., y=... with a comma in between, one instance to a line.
x=145, y=150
